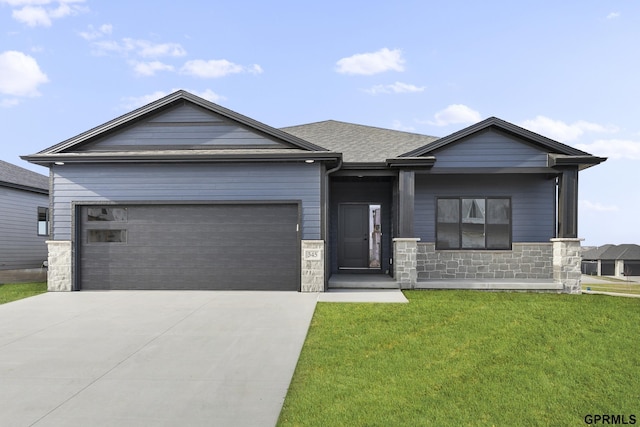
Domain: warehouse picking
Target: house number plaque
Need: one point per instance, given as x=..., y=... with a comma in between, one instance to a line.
x=312, y=255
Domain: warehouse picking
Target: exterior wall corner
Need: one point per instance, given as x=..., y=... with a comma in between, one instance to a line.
x=567, y=260
x=405, y=261
x=312, y=269
x=60, y=266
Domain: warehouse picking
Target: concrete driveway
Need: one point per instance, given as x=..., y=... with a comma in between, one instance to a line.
x=166, y=358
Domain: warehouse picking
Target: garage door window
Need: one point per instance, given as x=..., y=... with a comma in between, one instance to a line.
x=106, y=236
x=102, y=213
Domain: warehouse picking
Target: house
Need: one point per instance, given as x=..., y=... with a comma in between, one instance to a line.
x=24, y=210
x=185, y=194
x=612, y=260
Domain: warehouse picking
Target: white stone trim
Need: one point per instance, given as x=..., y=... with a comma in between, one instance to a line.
x=60, y=269
x=312, y=254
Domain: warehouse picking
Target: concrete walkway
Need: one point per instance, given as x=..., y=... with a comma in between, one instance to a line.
x=150, y=358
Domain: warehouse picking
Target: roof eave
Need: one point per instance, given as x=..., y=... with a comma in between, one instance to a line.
x=63, y=158
x=425, y=162
x=24, y=187
x=581, y=161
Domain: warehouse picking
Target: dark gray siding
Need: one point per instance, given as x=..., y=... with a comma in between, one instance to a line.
x=490, y=149
x=182, y=126
x=532, y=201
x=186, y=182
x=20, y=245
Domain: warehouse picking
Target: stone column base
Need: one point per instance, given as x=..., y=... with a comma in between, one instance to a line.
x=567, y=260
x=59, y=275
x=405, y=251
x=312, y=266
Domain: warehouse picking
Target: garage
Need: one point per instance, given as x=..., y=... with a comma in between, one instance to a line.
x=223, y=246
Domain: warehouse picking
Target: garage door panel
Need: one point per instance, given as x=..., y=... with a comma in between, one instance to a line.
x=248, y=246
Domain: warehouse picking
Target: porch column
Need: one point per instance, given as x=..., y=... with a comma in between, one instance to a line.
x=406, y=201
x=568, y=203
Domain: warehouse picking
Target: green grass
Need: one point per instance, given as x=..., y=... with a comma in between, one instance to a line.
x=618, y=286
x=15, y=291
x=465, y=358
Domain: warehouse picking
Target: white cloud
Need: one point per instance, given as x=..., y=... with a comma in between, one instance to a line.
x=215, y=68
x=150, y=68
x=613, y=15
x=397, y=87
x=36, y=13
x=595, y=206
x=20, y=74
x=372, y=63
x=9, y=102
x=561, y=131
x=143, y=48
x=96, y=33
x=398, y=125
x=133, y=102
x=455, y=114
x=613, y=148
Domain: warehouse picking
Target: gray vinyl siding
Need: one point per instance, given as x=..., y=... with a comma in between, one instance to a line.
x=20, y=245
x=182, y=126
x=490, y=149
x=186, y=182
x=532, y=201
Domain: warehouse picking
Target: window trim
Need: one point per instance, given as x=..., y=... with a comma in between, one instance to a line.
x=485, y=198
x=45, y=211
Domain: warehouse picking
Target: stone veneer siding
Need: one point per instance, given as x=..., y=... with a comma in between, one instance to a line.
x=59, y=276
x=567, y=260
x=524, y=261
x=405, y=251
x=312, y=268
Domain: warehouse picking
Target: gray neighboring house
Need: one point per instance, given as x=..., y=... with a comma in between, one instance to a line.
x=185, y=194
x=24, y=211
x=612, y=260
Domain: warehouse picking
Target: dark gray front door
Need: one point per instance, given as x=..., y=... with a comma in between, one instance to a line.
x=219, y=246
x=353, y=237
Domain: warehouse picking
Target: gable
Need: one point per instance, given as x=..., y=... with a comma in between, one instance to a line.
x=489, y=148
x=182, y=127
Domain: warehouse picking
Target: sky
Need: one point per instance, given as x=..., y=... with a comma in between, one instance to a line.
x=567, y=70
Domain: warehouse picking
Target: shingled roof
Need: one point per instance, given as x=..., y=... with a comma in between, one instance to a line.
x=17, y=177
x=613, y=252
x=360, y=143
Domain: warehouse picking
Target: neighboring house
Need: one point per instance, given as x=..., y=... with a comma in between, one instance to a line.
x=185, y=194
x=612, y=260
x=24, y=210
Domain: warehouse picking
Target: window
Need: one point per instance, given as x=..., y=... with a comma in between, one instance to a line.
x=473, y=223
x=43, y=221
x=106, y=236
x=107, y=214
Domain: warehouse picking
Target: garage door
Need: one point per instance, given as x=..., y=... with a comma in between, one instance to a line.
x=221, y=246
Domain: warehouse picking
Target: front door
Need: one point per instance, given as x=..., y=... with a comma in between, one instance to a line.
x=359, y=237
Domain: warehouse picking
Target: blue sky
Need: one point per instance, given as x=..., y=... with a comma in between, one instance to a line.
x=567, y=70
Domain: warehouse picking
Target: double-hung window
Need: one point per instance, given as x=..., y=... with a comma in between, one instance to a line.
x=473, y=223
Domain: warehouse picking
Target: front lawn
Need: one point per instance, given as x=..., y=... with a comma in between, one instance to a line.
x=468, y=358
x=15, y=291
x=616, y=286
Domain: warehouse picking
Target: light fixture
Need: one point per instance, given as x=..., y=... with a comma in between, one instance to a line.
x=58, y=163
x=309, y=161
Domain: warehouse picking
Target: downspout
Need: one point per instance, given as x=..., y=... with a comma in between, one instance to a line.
x=325, y=222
